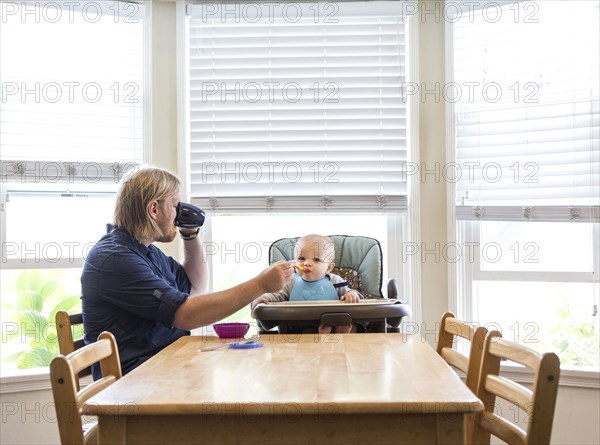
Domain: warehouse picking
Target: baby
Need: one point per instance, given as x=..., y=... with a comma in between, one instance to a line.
x=314, y=281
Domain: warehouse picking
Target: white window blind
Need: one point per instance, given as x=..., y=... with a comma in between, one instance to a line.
x=527, y=112
x=72, y=87
x=297, y=106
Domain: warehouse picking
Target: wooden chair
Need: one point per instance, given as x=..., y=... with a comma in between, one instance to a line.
x=450, y=327
x=537, y=403
x=67, y=396
x=64, y=323
x=66, y=344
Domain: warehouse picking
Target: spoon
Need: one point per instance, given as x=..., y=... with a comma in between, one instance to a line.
x=302, y=268
x=245, y=341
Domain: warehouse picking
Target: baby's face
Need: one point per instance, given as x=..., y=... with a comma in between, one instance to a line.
x=315, y=258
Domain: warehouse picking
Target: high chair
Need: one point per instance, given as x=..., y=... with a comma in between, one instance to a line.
x=359, y=260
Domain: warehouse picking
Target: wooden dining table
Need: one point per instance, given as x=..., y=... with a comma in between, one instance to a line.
x=295, y=389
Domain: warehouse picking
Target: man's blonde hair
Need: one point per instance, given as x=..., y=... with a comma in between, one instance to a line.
x=136, y=191
x=325, y=241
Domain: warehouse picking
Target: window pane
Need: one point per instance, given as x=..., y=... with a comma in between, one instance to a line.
x=536, y=246
x=545, y=316
x=526, y=105
x=30, y=298
x=76, y=223
x=77, y=95
x=312, y=106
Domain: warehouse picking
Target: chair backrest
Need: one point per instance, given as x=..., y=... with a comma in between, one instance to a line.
x=67, y=395
x=358, y=259
x=538, y=403
x=451, y=327
x=66, y=343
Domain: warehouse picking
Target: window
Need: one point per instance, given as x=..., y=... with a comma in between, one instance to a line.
x=525, y=95
x=534, y=281
x=297, y=123
x=297, y=106
x=72, y=122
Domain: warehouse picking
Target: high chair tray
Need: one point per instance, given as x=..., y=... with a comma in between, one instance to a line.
x=387, y=310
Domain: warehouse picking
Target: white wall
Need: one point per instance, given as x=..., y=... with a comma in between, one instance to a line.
x=28, y=417
x=575, y=418
x=432, y=150
x=164, y=94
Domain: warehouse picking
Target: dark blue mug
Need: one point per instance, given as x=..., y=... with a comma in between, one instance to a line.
x=189, y=216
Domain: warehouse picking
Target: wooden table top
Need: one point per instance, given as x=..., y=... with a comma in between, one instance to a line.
x=350, y=373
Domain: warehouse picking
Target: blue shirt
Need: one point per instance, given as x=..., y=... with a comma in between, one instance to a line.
x=132, y=291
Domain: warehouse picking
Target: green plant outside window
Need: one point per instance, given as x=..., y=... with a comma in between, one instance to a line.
x=29, y=306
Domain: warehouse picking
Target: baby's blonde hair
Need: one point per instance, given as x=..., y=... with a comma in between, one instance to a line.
x=325, y=242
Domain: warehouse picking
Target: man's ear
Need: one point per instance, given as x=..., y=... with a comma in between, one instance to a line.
x=152, y=209
x=330, y=267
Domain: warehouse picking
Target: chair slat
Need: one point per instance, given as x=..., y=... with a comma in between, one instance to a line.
x=76, y=318
x=82, y=358
x=515, y=352
x=94, y=388
x=90, y=433
x=455, y=359
x=503, y=429
x=458, y=327
x=509, y=390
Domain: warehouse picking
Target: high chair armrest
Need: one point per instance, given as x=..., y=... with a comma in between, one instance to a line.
x=393, y=289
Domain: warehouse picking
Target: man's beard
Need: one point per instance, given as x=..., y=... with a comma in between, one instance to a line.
x=168, y=235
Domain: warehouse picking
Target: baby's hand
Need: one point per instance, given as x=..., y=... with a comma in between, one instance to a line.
x=350, y=297
x=258, y=301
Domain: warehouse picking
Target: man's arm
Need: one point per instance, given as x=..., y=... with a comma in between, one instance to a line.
x=281, y=295
x=201, y=310
x=195, y=265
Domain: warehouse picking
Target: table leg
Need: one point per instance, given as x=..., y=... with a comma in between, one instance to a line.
x=112, y=430
x=451, y=429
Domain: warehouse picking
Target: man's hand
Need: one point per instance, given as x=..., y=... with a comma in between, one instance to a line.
x=350, y=297
x=274, y=277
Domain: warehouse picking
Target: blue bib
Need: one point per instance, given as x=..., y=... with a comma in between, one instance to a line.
x=313, y=290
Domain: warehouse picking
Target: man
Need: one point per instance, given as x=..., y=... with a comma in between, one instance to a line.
x=146, y=299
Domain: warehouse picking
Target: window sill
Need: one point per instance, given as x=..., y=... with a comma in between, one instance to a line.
x=579, y=378
x=29, y=380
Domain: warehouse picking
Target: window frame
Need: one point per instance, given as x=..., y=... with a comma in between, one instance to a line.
x=34, y=379
x=392, y=202
x=462, y=275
